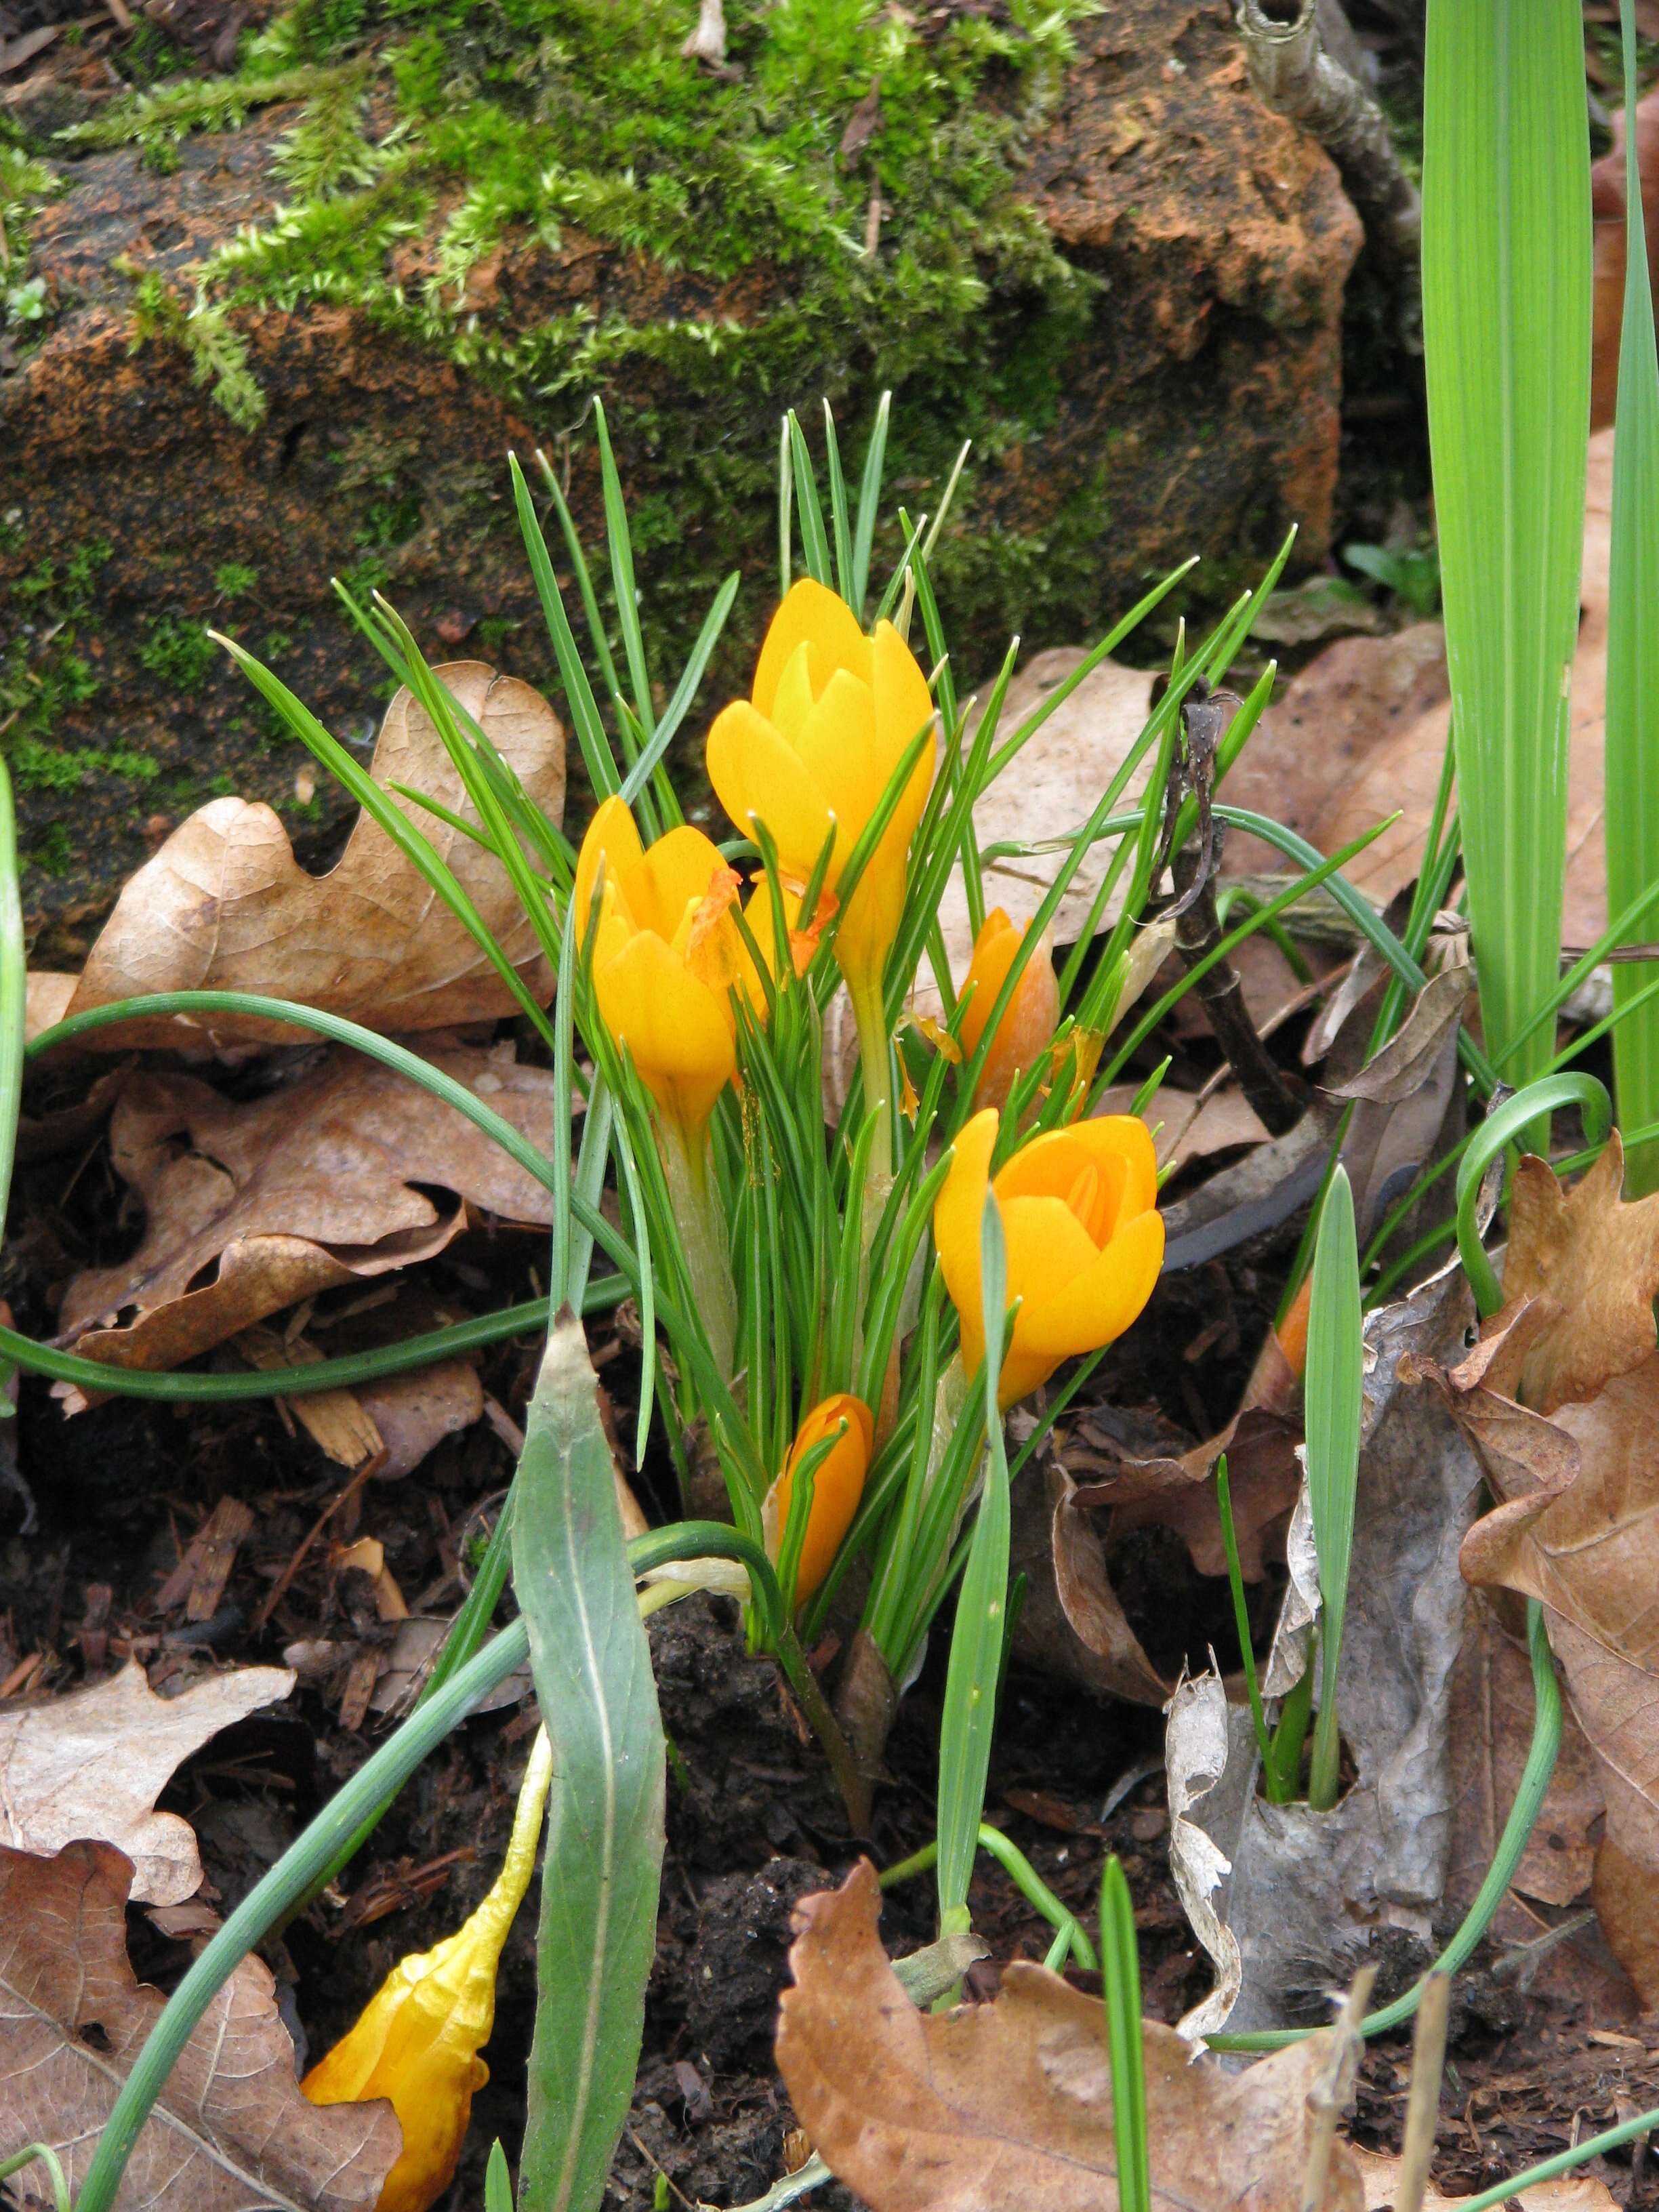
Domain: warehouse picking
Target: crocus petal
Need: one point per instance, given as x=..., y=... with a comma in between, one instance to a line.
x=987, y=970
x=838, y=1486
x=612, y=837
x=958, y=1213
x=679, y=870
x=757, y=775
x=1095, y=1307
x=837, y=749
x=1125, y=1137
x=793, y=700
x=813, y=615
x=679, y=1034
x=903, y=704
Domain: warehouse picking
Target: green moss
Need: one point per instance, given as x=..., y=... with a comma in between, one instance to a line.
x=179, y=653
x=234, y=579
x=43, y=675
x=53, y=852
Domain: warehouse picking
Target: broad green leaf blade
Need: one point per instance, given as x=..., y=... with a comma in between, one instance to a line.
x=1632, y=733
x=1335, y=1392
x=599, y=1881
x=1506, y=321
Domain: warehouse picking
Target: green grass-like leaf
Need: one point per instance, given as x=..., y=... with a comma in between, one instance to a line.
x=1633, y=732
x=1506, y=318
x=1333, y=1391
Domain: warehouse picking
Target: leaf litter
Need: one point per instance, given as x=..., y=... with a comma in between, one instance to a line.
x=231, y=2128
x=224, y=905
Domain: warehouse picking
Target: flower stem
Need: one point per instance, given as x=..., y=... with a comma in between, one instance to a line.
x=696, y=1216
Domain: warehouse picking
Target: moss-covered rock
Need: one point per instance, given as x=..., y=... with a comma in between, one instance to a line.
x=295, y=318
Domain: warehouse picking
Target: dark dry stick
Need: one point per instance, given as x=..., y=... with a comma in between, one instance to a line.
x=1218, y=991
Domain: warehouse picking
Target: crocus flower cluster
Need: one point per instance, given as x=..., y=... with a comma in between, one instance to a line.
x=809, y=756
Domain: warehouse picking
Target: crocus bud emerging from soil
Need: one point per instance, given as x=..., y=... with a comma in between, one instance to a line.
x=1084, y=1236
x=1028, y=1021
x=837, y=1486
x=814, y=746
x=417, y=2040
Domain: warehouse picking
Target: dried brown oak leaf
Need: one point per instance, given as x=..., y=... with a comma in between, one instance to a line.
x=231, y=2130
x=224, y=905
x=1009, y=2102
x=1568, y=2192
x=1596, y=1257
x=322, y=1181
x=1576, y=1528
x=93, y=1764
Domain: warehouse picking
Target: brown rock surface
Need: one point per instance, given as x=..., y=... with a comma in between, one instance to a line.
x=1196, y=409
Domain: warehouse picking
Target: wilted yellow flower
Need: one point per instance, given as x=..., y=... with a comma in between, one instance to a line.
x=837, y=1486
x=416, y=2041
x=831, y=716
x=666, y=955
x=1030, y=1018
x=1084, y=1237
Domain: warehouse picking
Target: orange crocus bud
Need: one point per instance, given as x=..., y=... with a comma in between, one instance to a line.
x=666, y=955
x=1084, y=1237
x=829, y=718
x=837, y=1486
x=416, y=2042
x=1030, y=1018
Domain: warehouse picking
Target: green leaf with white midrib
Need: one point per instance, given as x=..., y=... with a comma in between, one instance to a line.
x=599, y=1881
x=1506, y=318
x=1632, y=730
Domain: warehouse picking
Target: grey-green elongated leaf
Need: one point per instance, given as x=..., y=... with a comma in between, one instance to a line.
x=604, y=1834
x=1333, y=1388
x=1506, y=325
x=1633, y=732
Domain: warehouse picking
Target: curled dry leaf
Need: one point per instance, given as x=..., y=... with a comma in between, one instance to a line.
x=224, y=906
x=93, y=1764
x=1596, y=1259
x=1305, y=1891
x=321, y=1181
x=1574, y=1528
x=231, y=2128
x=1009, y=2102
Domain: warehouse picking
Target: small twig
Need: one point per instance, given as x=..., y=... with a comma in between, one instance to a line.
x=1328, y=2097
x=1220, y=993
x=1423, y=2099
x=279, y=1589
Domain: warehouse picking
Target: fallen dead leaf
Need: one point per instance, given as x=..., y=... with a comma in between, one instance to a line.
x=224, y=905
x=1301, y=1892
x=231, y=2128
x=1578, y=1494
x=93, y=1764
x=1594, y=1256
x=321, y=1181
x=1009, y=2102
x=1568, y=2192
x=1191, y=1124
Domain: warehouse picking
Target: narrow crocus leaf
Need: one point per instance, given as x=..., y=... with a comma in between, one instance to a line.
x=1506, y=325
x=976, y=1640
x=1632, y=734
x=1334, y=1389
x=498, y=2181
x=600, y=1881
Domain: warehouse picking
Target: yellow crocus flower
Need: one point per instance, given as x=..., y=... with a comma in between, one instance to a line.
x=837, y=1486
x=829, y=719
x=1084, y=1237
x=1030, y=1018
x=416, y=2042
x=666, y=956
